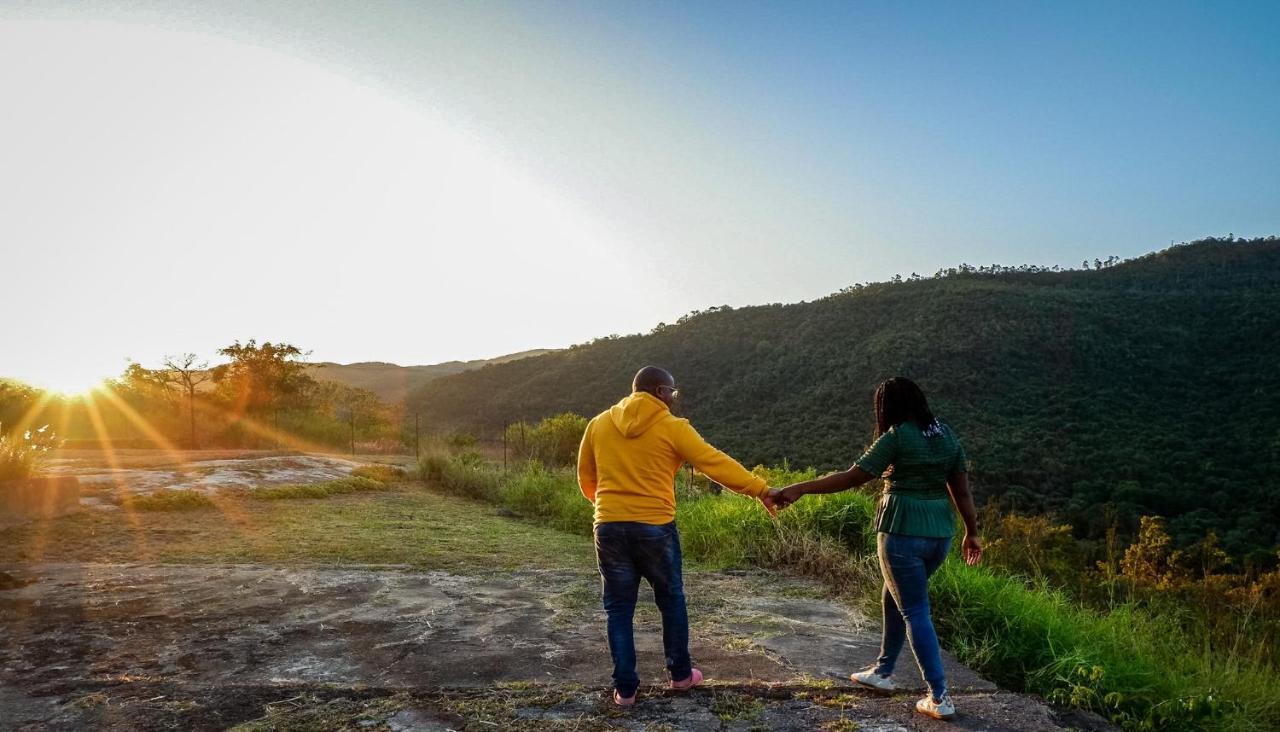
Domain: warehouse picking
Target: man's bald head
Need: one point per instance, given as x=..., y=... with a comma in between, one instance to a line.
x=649, y=378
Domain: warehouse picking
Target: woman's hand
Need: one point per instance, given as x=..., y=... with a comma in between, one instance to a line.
x=971, y=549
x=789, y=495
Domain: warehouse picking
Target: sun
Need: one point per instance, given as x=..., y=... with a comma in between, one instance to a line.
x=70, y=384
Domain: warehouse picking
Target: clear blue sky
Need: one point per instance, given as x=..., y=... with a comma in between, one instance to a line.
x=417, y=182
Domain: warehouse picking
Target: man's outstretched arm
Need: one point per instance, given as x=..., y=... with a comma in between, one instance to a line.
x=587, y=466
x=720, y=467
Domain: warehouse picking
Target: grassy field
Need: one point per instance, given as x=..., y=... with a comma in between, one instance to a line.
x=407, y=525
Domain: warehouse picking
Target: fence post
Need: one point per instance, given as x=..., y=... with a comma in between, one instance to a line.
x=417, y=448
x=504, y=447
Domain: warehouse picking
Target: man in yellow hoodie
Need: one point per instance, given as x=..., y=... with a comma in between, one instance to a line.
x=627, y=466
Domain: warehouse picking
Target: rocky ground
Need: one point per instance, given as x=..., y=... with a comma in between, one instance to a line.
x=140, y=472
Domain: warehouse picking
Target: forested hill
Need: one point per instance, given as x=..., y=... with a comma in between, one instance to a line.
x=391, y=382
x=1151, y=386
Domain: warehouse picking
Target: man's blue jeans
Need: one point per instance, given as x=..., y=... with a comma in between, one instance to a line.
x=907, y=563
x=626, y=552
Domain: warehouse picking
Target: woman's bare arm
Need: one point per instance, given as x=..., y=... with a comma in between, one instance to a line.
x=834, y=483
x=962, y=497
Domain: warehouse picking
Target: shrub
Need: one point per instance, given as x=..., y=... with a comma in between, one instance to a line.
x=22, y=458
x=460, y=440
x=553, y=441
x=466, y=474
x=432, y=466
x=1031, y=546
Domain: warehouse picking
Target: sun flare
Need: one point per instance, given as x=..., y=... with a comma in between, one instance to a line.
x=73, y=385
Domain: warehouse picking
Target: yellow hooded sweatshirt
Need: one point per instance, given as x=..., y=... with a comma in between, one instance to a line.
x=630, y=454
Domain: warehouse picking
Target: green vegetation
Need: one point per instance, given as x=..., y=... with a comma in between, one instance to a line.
x=383, y=473
x=170, y=499
x=363, y=480
x=732, y=706
x=310, y=712
x=402, y=525
x=1095, y=396
x=316, y=490
x=552, y=441
x=538, y=493
x=467, y=474
x=1134, y=662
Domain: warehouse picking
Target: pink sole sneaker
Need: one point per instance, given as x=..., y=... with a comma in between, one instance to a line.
x=624, y=701
x=694, y=679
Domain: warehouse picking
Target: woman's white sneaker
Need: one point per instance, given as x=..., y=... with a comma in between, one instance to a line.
x=940, y=709
x=874, y=680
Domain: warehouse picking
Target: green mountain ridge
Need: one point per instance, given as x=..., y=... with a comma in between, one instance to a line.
x=1147, y=387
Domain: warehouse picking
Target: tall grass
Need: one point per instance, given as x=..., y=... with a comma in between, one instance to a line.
x=466, y=474
x=542, y=495
x=1130, y=664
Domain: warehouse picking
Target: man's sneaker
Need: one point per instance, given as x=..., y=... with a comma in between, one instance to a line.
x=623, y=701
x=938, y=709
x=694, y=679
x=874, y=680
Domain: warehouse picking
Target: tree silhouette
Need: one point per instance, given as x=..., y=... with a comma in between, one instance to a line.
x=186, y=372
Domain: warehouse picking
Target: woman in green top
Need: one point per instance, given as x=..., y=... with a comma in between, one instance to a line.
x=923, y=466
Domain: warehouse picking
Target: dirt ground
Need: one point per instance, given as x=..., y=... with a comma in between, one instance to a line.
x=476, y=642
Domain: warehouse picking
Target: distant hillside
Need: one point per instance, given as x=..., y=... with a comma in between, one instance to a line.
x=1145, y=387
x=392, y=382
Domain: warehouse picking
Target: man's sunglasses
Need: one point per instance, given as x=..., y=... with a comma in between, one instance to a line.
x=674, y=391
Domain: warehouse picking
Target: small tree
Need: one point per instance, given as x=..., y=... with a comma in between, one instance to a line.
x=358, y=407
x=1033, y=546
x=262, y=379
x=187, y=373
x=1150, y=561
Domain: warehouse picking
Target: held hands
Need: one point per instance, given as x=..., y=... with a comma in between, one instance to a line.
x=789, y=495
x=779, y=498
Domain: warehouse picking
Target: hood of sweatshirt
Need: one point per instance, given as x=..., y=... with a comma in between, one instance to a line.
x=637, y=412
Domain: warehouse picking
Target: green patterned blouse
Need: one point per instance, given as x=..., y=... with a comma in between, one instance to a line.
x=915, y=466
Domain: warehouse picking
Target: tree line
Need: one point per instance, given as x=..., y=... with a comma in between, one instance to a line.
x=256, y=395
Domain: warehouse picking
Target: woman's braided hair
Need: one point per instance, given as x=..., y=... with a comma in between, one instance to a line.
x=899, y=400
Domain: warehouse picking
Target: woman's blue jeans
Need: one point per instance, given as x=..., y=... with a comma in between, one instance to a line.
x=907, y=563
x=628, y=551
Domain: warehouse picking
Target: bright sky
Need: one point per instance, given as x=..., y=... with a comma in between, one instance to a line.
x=418, y=182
